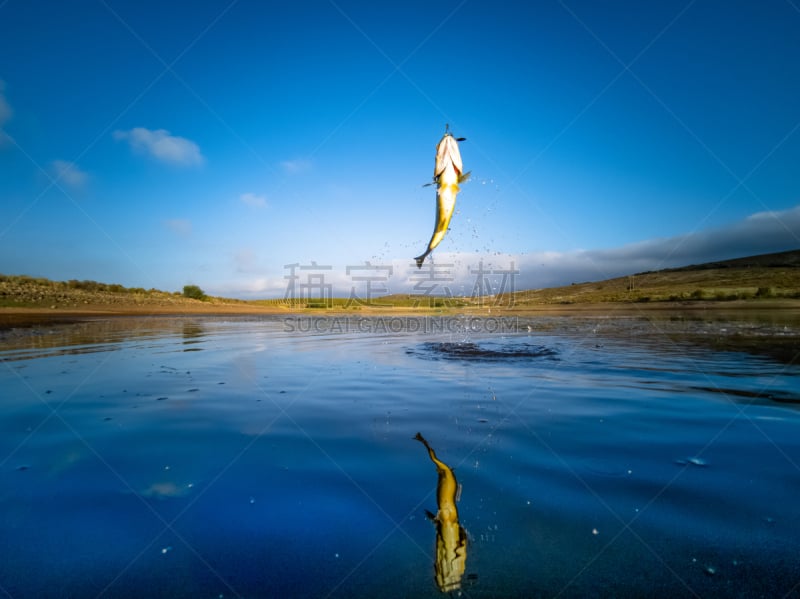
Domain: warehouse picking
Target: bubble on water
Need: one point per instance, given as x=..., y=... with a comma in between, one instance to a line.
x=710, y=570
x=595, y=531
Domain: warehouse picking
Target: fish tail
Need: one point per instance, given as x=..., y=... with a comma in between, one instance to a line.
x=432, y=454
x=420, y=259
x=422, y=440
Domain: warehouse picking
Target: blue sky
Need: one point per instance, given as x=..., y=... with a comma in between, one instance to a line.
x=212, y=143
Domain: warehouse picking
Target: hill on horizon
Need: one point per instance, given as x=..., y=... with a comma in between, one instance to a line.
x=789, y=259
x=774, y=275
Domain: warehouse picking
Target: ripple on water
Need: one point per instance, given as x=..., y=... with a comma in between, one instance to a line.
x=487, y=352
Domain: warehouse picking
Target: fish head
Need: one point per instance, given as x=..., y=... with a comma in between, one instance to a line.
x=447, y=153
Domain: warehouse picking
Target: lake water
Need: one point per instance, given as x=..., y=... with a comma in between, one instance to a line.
x=275, y=457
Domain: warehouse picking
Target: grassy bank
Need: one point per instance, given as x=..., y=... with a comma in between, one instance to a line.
x=767, y=280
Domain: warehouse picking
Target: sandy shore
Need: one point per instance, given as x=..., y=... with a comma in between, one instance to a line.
x=16, y=317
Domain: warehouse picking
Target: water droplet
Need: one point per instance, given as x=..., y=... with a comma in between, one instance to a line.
x=252, y=500
x=164, y=550
x=595, y=531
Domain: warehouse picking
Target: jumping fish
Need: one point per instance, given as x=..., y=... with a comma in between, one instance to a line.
x=447, y=174
x=451, y=538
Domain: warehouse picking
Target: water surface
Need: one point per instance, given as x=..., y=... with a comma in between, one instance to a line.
x=266, y=457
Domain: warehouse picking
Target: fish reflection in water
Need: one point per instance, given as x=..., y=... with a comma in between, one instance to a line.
x=451, y=538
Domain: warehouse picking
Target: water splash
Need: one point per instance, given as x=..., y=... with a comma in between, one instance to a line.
x=467, y=350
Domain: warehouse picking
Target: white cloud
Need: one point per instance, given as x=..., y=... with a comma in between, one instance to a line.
x=760, y=233
x=253, y=200
x=250, y=287
x=294, y=167
x=162, y=146
x=69, y=173
x=180, y=226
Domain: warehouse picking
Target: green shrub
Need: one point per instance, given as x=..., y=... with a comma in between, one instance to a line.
x=194, y=292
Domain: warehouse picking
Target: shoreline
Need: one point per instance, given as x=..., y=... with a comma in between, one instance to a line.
x=11, y=317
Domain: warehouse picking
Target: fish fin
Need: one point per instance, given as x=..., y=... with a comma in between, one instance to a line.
x=464, y=177
x=430, y=516
x=420, y=259
x=435, y=181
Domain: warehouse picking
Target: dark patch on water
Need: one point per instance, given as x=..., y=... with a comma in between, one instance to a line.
x=488, y=352
x=746, y=394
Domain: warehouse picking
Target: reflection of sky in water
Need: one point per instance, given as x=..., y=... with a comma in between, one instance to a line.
x=622, y=459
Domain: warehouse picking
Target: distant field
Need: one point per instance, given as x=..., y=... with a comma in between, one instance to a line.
x=757, y=278
x=713, y=284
